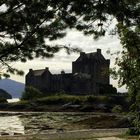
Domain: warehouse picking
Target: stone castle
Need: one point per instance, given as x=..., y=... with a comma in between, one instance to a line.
x=90, y=75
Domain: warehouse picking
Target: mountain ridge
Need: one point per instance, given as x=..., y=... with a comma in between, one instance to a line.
x=13, y=87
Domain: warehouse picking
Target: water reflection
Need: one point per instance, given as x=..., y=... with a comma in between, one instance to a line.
x=11, y=125
x=13, y=100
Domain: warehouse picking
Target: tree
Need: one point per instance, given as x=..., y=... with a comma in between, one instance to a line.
x=31, y=93
x=25, y=28
x=129, y=72
x=28, y=25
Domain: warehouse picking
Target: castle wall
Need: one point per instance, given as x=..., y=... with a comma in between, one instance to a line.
x=41, y=82
x=33, y=81
x=61, y=82
x=101, y=72
x=45, y=82
x=89, y=72
x=81, y=85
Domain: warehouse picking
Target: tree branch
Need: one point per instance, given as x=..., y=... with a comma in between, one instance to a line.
x=9, y=11
x=6, y=52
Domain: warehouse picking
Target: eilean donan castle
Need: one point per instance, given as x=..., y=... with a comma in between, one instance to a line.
x=90, y=75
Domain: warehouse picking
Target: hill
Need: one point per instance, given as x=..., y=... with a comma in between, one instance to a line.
x=14, y=88
x=5, y=94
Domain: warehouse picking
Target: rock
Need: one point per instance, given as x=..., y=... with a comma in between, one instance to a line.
x=16, y=133
x=60, y=130
x=66, y=105
x=4, y=133
x=45, y=127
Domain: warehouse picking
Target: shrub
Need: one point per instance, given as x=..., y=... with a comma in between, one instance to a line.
x=117, y=109
x=31, y=93
x=133, y=131
x=61, y=99
x=91, y=99
x=107, y=90
x=3, y=100
x=103, y=99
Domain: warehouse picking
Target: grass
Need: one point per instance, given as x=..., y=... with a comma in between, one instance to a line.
x=55, y=102
x=88, y=102
x=64, y=98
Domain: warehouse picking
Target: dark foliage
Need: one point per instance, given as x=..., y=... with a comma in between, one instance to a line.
x=31, y=93
x=3, y=100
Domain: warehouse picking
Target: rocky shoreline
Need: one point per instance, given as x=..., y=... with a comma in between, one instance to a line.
x=78, y=134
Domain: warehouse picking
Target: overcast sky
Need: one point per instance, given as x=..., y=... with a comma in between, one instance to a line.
x=62, y=61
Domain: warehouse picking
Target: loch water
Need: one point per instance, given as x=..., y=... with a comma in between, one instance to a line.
x=18, y=123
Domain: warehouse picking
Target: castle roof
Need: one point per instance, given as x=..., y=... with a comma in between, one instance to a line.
x=93, y=55
x=38, y=72
x=89, y=55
